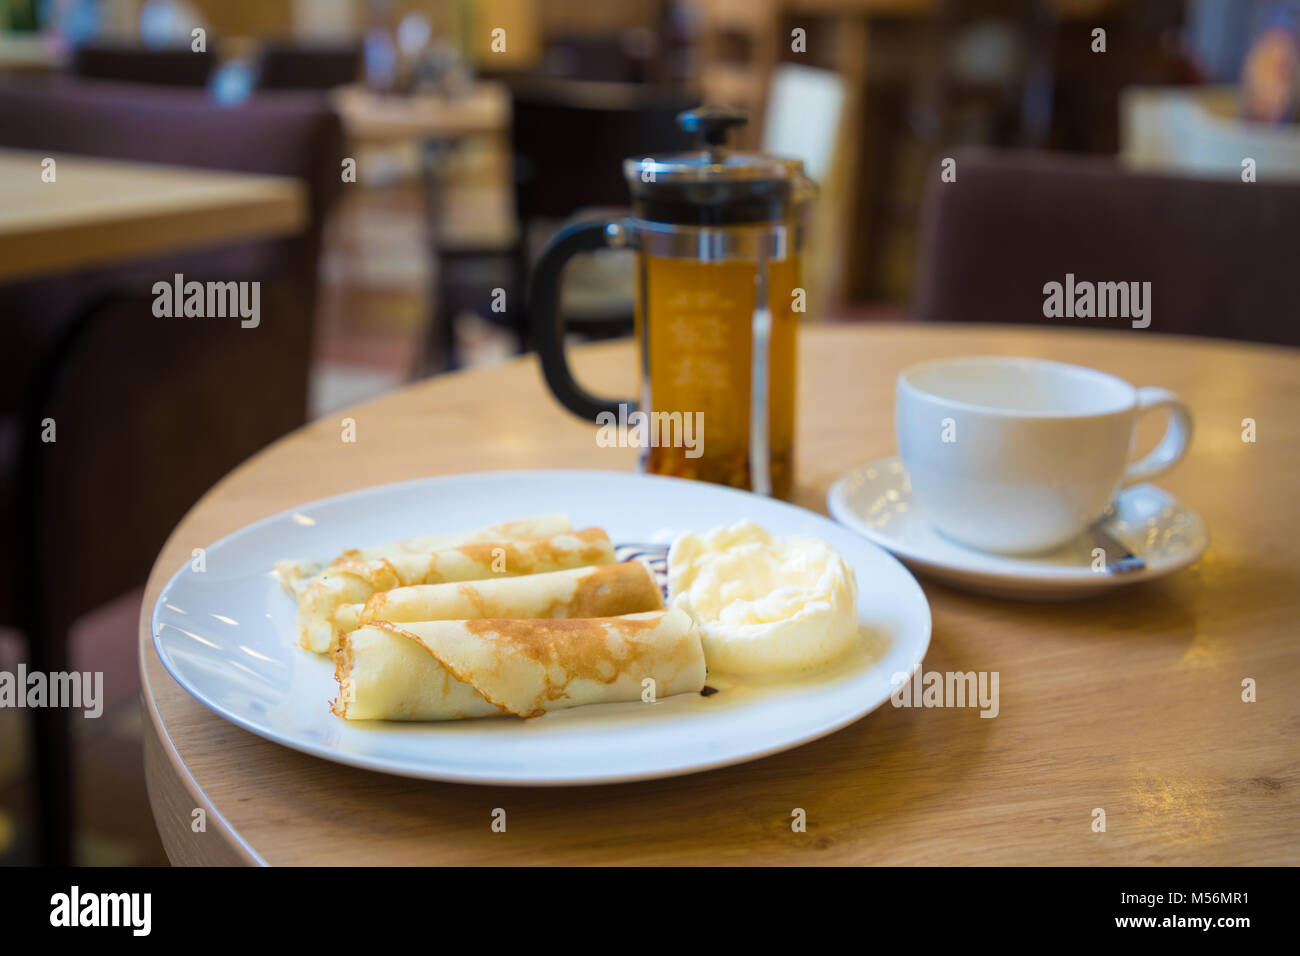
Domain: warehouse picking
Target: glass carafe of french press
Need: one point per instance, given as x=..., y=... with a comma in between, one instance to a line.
x=718, y=235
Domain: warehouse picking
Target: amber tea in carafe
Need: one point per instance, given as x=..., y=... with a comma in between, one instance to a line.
x=701, y=348
x=717, y=235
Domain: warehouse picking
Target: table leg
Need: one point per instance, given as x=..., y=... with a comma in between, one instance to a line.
x=45, y=628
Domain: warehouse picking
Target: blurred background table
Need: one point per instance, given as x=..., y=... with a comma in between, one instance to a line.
x=79, y=258
x=27, y=53
x=99, y=211
x=1131, y=702
x=369, y=117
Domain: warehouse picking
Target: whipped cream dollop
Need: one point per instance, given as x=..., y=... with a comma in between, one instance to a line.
x=764, y=604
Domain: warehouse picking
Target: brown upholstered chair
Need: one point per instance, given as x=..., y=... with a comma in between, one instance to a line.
x=1219, y=254
x=307, y=66
x=134, y=63
x=149, y=412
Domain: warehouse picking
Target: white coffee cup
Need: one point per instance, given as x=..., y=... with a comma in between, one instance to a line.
x=1019, y=455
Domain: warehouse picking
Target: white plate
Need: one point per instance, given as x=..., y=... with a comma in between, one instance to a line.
x=876, y=501
x=226, y=635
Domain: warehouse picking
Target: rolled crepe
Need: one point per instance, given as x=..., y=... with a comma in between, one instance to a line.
x=605, y=590
x=295, y=574
x=601, y=591
x=445, y=670
x=353, y=582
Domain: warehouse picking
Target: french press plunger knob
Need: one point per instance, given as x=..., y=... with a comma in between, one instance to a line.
x=712, y=123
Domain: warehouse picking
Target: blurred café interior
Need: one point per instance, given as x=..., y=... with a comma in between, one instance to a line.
x=401, y=163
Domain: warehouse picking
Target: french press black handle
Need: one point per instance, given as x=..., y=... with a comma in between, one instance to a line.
x=548, y=323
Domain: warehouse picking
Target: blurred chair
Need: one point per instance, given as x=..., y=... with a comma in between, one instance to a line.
x=303, y=66
x=150, y=412
x=1219, y=254
x=569, y=141
x=132, y=63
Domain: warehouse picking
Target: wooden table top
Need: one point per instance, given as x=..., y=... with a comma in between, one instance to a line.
x=1129, y=702
x=99, y=211
x=371, y=117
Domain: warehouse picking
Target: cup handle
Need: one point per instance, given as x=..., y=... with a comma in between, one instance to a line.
x=1173, y=446
x=548, y=323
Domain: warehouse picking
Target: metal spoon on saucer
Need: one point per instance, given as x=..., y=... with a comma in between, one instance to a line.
x=1127, y=562
x=1138, y=505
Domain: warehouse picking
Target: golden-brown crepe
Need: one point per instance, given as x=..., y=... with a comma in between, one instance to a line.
x=294, y=575
x=605, y=590
x=444, y=670
x=354, y=581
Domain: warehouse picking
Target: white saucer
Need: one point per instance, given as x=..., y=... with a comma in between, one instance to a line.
x=876, y=501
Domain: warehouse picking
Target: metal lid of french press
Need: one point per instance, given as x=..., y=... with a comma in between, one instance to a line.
x=713, y=186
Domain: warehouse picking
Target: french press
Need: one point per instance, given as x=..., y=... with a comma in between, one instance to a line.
x=718, y=235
